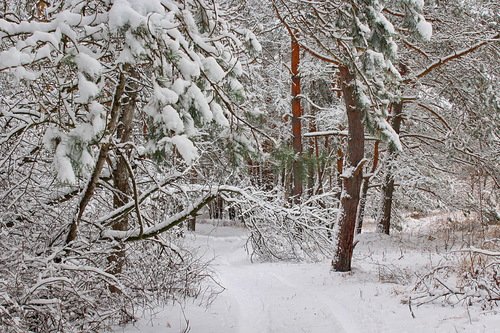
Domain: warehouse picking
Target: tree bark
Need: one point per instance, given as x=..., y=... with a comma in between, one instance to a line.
x=313, y=155
x=384, y=224
x=364, y=189
x=340, y=170
x=296, y=122
x=103, y=154
x=352, y=177
x=191, y=223
x=362, y=204
x=121, y=175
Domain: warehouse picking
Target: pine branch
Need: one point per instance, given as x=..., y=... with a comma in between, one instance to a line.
x=453, y=56
x=293, y=35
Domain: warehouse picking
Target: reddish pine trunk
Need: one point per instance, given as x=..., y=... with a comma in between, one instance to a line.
x=351, y=182
x=296, y=122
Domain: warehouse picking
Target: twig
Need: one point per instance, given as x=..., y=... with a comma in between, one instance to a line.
x=411, y=310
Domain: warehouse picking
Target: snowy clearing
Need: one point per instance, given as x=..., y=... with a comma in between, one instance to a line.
x=308, y=297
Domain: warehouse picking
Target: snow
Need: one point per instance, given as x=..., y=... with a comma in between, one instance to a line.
x=308, y=297
x=236, y=86
x=200, y=102
x=145, y=7
x=63, y=165
x=202, y=43
x=386, y=131
x=39, y=36
x=365, y=29
x=419, y=4
x=86, y=88
x=219, y=116
x=383, y=21
x=165, y=95
x=84, y=132
x=122, y=14
x=189, y=20
x=424, y=28
x=213, y=70
x=135, y=46
x=363, y=100
x=22, y=73
x=68, y=31
x=43, y=52
x=49, y=139
x=179, y=86
x=189, y=69
x=86, y=160
x=97, y=117
x=13, y=57
x=88, y=64
x=374, y=63
x=185, y=147
x=170, y=118
x=237, y=69
x=254, y=42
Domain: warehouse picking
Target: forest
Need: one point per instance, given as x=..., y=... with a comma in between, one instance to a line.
x=249, y=166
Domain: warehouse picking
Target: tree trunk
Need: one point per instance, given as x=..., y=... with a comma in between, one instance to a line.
x=216, y=208
x=364, y=190
x=296, y=122
x=362, y=204
x=338, y=177
x=340, y=170
x=121, y=175
x=352, y=177
x=191, y=223
x=384, y=224
x=313, y=155
x=101, y=159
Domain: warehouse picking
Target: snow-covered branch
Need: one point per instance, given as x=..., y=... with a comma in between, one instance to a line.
x=174, y=220
x=453, y=56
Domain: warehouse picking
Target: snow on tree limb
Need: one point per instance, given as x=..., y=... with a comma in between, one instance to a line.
x=476, y=250
x=453, y=56
x=138, y=234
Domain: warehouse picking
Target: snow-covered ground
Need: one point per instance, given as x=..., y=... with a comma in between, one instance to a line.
x=308, y=297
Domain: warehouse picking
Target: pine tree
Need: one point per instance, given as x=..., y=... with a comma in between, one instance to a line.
x=358, y=38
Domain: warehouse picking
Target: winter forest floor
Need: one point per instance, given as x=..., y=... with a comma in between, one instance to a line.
x=308, y=297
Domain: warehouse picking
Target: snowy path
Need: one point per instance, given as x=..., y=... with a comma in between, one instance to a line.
x=267, y=300
x=304, y=298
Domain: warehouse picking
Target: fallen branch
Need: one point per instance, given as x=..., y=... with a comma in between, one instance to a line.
x=139, y=233
x=479, y=251
x=144, y=233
